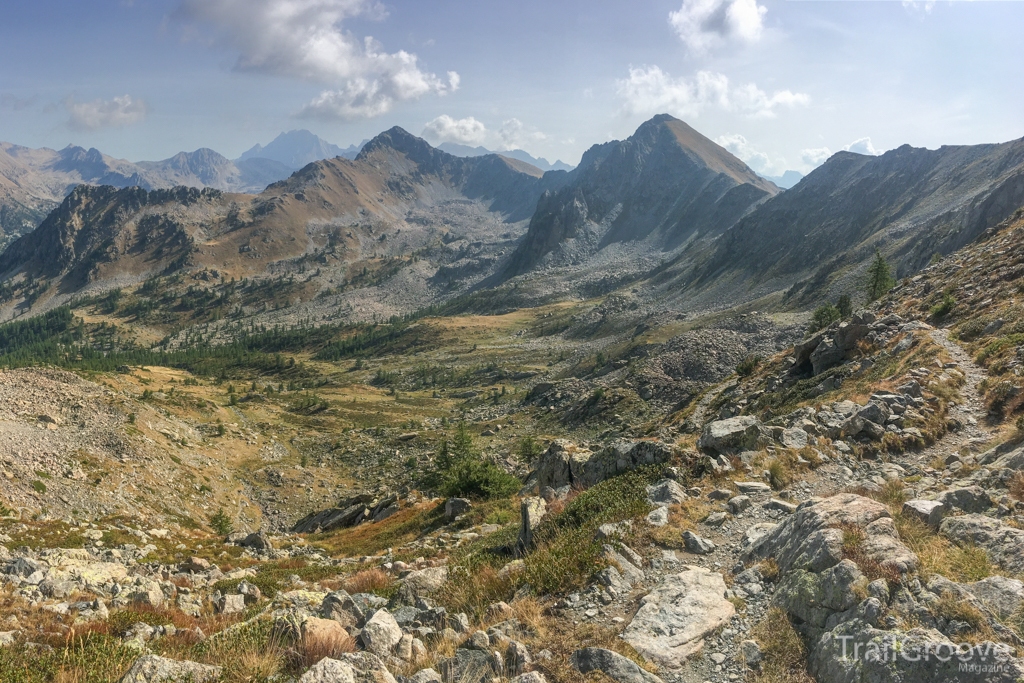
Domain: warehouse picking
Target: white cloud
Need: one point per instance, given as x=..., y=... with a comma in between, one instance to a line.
x=862, y=146
x=815, y=157
x=649, y=89
x=305, y=39
x=753, y=157
x=115, y=113
x=515, y=135
x=467, y=131
x=705, y=24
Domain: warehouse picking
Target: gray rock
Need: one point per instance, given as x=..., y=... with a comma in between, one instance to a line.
x=780, y=505
x=697, y=545
x=674, y=618
x=628, y=567
x=468, y=666
x=794, y=438
x=658, y=516
x=617, y=667
x=732, y=435
x=1004, y=544
x=753, y=487
x=257, y=541
x=971, y=499
x=750, y=654
x=716, y=519
x=529, y=677
x=230, y=604
x=454, y=507
x=813, y=598
x=381, y=633
x=811, y=538
x=738, y=504
x=425, y=676
x=665, y=492
x=532, y=511
x=359, y=667
x=929, y=512
x=154, y=669
x=1000, y=594
x=857, y=652
x=517, y=658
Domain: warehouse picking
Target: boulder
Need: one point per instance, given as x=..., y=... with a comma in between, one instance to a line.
x=359, y=667
x=340, y=607
x=811, y=538
x=826, y=356
x=468, y=666
x=1000, y=594
x=1003, y=544
x=665, y=492
x=381, y=633
x=969, y=499
x=455, y=507
x=154, y=669
x=928, y=512
x=738, y=504
x=257, y=541
x=696, y=544
x=732, y=435
x=856, y=651
x=812, y=598
x=614, y=665
x=316, y=630
x=230, y=604
x=529, y=677
x=794, y=438
x=531, y=512
x=674, y=618
x=425, y=676
x=420, y=583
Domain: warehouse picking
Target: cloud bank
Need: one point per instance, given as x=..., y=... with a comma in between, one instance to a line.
x=648, y=90
x=306, y=40
x=513, y=133
x=115, y=113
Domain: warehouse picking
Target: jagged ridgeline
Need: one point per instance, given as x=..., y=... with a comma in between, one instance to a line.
x=410, y=416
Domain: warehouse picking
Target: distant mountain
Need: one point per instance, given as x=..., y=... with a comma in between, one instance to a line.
x=665, y=184
x=335, y=208
x=786, y=180
x=297, y=148
x=466, y=151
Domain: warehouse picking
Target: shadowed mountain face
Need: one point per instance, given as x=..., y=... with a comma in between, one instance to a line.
x=664, y=185
x=911, y=203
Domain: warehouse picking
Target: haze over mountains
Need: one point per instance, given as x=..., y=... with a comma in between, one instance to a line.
x=458, y=150
x=34, y=181
x=667, y=212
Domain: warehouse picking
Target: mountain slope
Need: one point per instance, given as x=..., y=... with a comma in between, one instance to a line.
x=399, y=197
x=666, y=184
x=910, y=203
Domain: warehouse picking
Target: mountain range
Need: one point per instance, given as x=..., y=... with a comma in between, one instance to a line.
x=34, y=181
x=666, y=213
x=455, y=149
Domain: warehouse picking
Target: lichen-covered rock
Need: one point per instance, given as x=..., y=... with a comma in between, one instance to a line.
x=674, y=617
x=732, y=435
x=154, y=669
x=614, y=665
x=1004, y=544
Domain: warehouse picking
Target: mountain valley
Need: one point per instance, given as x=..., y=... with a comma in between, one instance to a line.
x=408, y=416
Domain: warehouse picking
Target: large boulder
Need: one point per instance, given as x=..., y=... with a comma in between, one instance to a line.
x=359, y=667
x=154, y=669
x=381, y=633
x=420, y=583
x=614, y=665
x=812, y=537
x=732, y=435
x=813, y=598
x=1004, y=544
x=557, y=464
x=674, y=618
x=969, y=499
x=856, y=652
x=1000, y=594
x=566, y=464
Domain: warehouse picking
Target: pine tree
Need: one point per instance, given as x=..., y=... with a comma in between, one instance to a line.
x=880, y=278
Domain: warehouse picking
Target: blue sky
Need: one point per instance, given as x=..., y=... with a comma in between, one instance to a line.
x=782, y=84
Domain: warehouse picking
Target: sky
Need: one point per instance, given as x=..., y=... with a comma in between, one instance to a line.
x=782, y=84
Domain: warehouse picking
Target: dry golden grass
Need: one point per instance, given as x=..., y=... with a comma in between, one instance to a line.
x=311, y=648
x=785, y=655
x=374, y=580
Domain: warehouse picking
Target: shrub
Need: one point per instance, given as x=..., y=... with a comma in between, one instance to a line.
x=528, y=450
x=824, y=316
x=845, y=306
x=943, y=308
x=747, y=366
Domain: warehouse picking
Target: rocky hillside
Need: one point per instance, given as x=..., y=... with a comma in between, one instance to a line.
x=666, y=184
x=910, y=203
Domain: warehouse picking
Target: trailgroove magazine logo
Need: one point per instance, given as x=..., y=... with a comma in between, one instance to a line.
x=985, y=658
